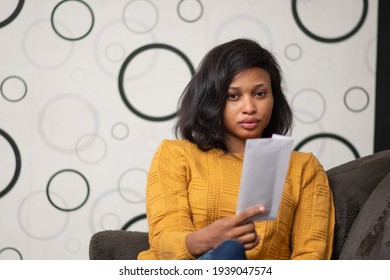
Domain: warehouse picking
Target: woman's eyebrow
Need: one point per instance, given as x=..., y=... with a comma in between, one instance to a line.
x=254, y=86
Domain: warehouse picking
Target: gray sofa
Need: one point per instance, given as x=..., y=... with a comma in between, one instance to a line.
x=361, y=190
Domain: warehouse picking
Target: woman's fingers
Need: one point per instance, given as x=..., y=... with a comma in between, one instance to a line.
x=243, y=229
x=250, y=245
x=247, y=237
x=246, y=214
x=237, y=227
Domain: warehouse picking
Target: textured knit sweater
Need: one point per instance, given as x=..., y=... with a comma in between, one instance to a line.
x=188, y=189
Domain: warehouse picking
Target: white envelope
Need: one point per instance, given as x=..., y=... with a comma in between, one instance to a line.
x=264, y=172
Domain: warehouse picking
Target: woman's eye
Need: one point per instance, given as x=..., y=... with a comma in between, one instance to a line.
x=232, y=96
x=260, y=93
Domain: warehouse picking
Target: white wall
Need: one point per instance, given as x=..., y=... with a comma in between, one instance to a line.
x=84, y=154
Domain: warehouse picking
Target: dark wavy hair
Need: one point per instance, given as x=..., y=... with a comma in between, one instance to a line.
x=201, y=105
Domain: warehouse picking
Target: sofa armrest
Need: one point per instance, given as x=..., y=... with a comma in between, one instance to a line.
x=352, y=184
x=369, y=236
x=117, y=245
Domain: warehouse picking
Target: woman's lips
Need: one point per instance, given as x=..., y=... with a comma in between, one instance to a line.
x=249, y=124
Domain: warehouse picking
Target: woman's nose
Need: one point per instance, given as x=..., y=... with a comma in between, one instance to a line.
x=248, y=105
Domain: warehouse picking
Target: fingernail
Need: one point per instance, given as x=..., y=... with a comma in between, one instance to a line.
x=262, y=208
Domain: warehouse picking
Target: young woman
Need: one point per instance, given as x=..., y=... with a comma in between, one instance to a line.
x=193, y=183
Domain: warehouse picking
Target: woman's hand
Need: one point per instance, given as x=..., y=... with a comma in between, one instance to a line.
x=237, y=227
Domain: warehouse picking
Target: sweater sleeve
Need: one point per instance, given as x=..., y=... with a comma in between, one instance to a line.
x=313, y=225
x=167, y=207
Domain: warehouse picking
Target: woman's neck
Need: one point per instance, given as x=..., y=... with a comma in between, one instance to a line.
x=236, y=147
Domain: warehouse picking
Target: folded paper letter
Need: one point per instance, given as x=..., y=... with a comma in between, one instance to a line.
x=264, y=173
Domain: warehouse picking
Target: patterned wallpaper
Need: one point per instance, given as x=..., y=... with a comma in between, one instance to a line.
x=89, y=88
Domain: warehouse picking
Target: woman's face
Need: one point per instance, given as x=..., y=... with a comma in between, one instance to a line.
x=248, y=108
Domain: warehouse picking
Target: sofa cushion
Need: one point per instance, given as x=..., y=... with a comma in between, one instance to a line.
x=117, y=245
x=351, y=184
x=369, y=236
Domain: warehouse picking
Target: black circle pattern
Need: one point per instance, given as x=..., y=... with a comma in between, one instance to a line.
x=186, y=19
x=67, y=209
x=122, y=74
x=18, y=161
x=69, y=38
x=11, y=249
x=14, y=14
x=365, y=105
x=329, y=40
x=133, y=221
x=13, y=77
x=331, y=136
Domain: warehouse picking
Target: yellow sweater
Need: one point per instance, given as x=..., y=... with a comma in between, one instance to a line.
x=188, y=189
